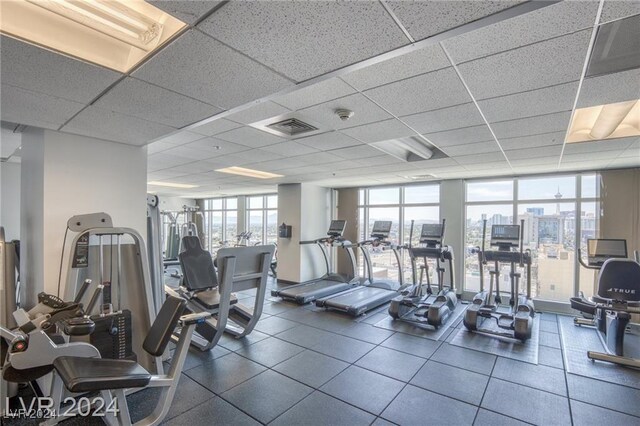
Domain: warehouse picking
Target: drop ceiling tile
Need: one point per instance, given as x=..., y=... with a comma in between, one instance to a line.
x=618, y=145
x=203, y=68
x=214, y=127
x=180, y=137
x=435, y=163
x=234, y=160
x=473, y=148
x=162, y=161
x=329, y=141
x=610, y=88
x=618, y=9
x=380, y=131
x=541, y=151
x=379, y=161
x=195, y=167
x=100, y=123
x=542, y=24
x=191, y=153
x=547, y=161
x=590, y=156
x=39, y=70
x=540, y=124
x=164, y=174
x=35, y=109
x=461, y=136
x=529, y=104
x=423, y=19
x=306, y=39
x=426, y=92
x=148, y=102
x=315, y=94
x=535, y=66
x=364, y=110
x=430, y=58
x=357, y=152
x=316, y=158
x=223, y=147
x=290, y=148
x=249, y=136
x=156, y=147
x=259, y=112
x=439, y=120
x=489, y=163
x=546, y=139
x=466, y=160
x=188, y=11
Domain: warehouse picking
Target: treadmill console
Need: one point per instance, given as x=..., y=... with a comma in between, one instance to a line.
x=599, y=250
x=381, y=229
x=431, y=234
x=336, y=228
x=505, y=236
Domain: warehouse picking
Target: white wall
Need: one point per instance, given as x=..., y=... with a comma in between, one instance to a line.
x=65, y=175
x=289, y=212
x=10, y=200
x=452, y=210
x=315, y=219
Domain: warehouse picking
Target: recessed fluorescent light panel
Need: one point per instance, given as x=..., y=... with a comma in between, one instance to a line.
x=248, y=172
x=116, y=34
x=619, y=120
x=172, y=185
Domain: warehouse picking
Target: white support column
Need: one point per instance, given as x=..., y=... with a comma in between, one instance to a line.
x=65, y=175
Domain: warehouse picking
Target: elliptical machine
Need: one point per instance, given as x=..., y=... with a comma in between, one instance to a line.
x=518, y=321
x=431, y=310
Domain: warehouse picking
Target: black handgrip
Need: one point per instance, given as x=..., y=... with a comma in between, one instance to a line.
x=83, y=289
x=583, y=305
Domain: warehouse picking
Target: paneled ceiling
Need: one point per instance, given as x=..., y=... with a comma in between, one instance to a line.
x=491, y=85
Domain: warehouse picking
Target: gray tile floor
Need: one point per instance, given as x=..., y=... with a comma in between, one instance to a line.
x=306, y=367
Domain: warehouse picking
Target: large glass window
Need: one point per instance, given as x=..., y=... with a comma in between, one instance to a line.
x=559, y=215
x=400, y=205
x=262, y=219
x=220, y=222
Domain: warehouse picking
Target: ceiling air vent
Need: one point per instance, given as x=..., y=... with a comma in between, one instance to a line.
x=291, y=127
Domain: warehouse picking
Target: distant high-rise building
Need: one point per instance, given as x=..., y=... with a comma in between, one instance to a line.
x=536, y=211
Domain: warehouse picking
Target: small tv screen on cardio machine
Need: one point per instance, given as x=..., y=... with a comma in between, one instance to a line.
x=607, y=248
x=337, y=227
x=505, y=235
x=431, y=231
x=381, y=227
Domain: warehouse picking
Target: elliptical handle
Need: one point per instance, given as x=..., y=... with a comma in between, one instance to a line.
x=521, y=242
x=411, y=234
x=484, y=233
x=586, y=265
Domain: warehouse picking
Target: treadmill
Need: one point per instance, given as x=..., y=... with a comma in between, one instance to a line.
x=329, y=283
x=372, y=293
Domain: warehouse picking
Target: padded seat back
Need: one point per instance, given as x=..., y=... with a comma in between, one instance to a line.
x=162, y=328
x=197, y=265
x=619, y=279
x=252, y=265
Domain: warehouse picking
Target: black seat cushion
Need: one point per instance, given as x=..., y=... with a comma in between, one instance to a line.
x=210, y=299
x=95, y=374
x=197, y=265
x=619, y=279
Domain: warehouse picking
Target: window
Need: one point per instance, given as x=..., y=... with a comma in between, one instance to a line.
x=262, y=219
x=400, y=205
x=220, y=222
x=559, y=215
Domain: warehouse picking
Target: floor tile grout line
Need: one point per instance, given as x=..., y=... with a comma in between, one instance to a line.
x=495, y=362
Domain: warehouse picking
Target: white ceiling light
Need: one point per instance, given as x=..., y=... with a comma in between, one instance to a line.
x=405, y=149
x=116, y=34
x=609, y=121
x=248, y=172
x=172, y=184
